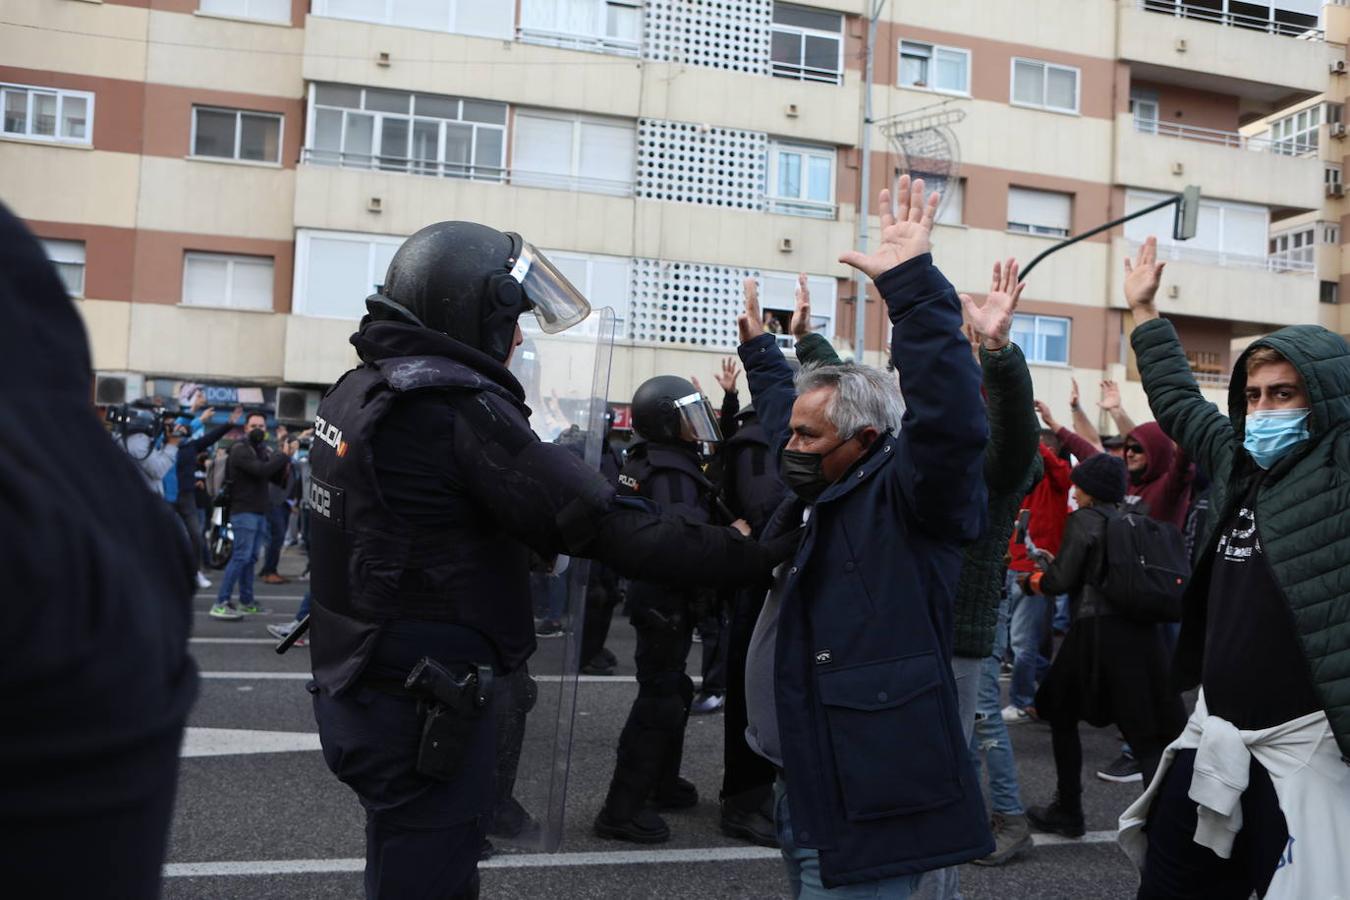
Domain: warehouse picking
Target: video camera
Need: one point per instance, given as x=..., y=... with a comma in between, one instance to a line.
x=128, y=419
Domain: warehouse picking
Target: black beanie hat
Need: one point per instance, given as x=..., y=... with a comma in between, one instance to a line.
x=1102, y=477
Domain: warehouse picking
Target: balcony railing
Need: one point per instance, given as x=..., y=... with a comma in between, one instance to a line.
x=1232, y=139
x=588, y=42
x=617, y=187
x=1275, y=262
x=808, y=208
x=1304, y=30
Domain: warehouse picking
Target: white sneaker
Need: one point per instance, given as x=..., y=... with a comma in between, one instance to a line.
x=1014, y=716
x=203, y=581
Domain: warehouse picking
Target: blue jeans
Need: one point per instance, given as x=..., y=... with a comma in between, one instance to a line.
x=248, y=537
x=803, y=866
x=1061, y=620
x=990, y=743
x=304, y=608
x=277, y=518
x=1025, y=632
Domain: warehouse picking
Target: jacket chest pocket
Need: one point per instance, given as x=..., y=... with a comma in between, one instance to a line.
x=893, y=751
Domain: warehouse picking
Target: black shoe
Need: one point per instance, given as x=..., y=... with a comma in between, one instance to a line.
x=1057, y=819
x=597, y=667
x=548, y=629
x=486, y=851
x=1124, y=769
x=646, y=827
x=748, y=825
x=678, y=794
x=704, y=704
x=608, y=656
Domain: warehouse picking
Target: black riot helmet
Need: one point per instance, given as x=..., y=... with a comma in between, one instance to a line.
x=668, y=409
x=472, y=282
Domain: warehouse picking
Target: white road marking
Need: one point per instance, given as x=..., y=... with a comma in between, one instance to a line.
x=547, y=860
x=243, y=741
x=305, y=676
x=233, y=641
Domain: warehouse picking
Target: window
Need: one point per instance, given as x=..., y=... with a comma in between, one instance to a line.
x=1331, y=175
x=483, y=18
x=1039, y=212
x=68, y=257
x=397, y=131
x=1227, y=233
x=1293, y=250
x=1144, y=108
x=801, y=180
x=609, y=26
x=1329, y=292
x=951, y=212
x=1043, y=339
x=1044, y=85
x=582, y=153
x=335, y=272
x=1335, y=113
x=47, y=114
x=1296, y=135
x=778, y=298
x=603, y=280
x=1331, y=232
x=808, y=44
x=265, y=10
x=232, y=282
x=935, y=68
x=236, y=134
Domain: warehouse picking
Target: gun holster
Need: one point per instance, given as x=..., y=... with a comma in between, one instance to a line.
x=454, y=704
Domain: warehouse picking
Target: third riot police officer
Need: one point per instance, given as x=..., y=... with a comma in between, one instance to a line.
x=429, y=494
x=672, y=418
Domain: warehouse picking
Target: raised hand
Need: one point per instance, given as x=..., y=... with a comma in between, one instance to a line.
x=800, y=326
x=904, y=235
x=1043, y=410
x=236, y=415
x=750, y=323
x=730, y=372
x=207, y=415
x=993, y=321
x=1110, y=396
x=1073, y=395
x=1142, y=278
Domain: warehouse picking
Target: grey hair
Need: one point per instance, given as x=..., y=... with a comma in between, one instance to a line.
x=863, y=397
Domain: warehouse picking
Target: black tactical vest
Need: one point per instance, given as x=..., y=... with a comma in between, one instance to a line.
x=369, y=565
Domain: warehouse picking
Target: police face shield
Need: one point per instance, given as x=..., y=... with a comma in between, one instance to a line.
x=556, y=304
x=697, y=423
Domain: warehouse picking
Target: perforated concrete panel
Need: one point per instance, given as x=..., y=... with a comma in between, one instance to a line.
x=689, y=304
x=721, y=34
x=691, y=163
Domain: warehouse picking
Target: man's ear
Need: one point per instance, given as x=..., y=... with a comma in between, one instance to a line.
x=868, y=436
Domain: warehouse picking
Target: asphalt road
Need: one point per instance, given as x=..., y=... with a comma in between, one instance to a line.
x=259, y=815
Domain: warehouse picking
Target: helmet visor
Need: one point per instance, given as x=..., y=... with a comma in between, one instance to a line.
x=556, y=304
x=696, y=419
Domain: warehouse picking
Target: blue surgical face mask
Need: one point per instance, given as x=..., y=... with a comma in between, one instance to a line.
x=1270, y=433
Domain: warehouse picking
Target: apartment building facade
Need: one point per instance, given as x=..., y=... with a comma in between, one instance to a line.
x=223, y=182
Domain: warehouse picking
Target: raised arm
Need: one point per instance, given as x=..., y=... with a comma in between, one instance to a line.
x=1114, y=408
x=766, y=371
x=811, y=347
x=1082, y=425
x=1199, y=428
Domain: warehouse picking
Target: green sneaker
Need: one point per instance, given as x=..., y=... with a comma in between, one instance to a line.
x=252, y=609
x=225, y=611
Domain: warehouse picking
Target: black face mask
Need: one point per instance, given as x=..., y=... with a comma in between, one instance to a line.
x=257, y=437
x=804, y=472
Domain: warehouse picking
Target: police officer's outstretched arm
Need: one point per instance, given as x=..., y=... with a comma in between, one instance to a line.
x=545, y=496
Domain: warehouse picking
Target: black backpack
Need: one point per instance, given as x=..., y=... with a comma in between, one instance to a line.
x=1144, y=571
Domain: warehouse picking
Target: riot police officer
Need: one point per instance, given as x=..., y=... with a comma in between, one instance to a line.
x=429, y=492
x=671, y=416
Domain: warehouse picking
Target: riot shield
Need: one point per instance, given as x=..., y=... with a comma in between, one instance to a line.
x=566, y=381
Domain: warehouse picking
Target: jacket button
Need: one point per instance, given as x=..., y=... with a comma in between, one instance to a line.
x=792, y=571
x=882, y=696
x=861, y=473
x=886, y=449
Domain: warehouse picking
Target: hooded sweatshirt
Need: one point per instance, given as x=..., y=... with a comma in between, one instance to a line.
x=1165, y=484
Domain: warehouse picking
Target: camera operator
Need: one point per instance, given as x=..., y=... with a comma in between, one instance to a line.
x=147, y=442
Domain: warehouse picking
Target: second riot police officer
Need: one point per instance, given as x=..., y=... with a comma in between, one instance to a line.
x=429, y=493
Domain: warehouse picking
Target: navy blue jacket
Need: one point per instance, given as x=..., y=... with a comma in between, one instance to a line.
x=878, y=774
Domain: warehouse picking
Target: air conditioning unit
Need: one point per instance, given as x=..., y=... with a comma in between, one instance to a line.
x=296, y=405
x=785, y=245
x=1336, y=190
x=375, y=204
x=1337, y=130
x=113, y=389
x=1338, y=67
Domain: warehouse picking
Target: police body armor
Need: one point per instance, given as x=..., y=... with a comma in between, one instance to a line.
x=369, y=565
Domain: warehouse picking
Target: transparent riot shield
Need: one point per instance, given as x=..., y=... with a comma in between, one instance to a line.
x=566, y=381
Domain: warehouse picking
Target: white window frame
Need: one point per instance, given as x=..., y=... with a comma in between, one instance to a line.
x=231, y=260
x=56, y=250
x=800, y=72
x=933, y=51
x=61, y=95
x=1335, y=293
x=1294, y=250
x=377, y=161
x=1329, y=232
x=1045, y=81
x=1039, y=230
x=573, y=180
x=1331, y=174
x=238, y=136
x=1140, y=100
x=598, y=43
x=246, y=14
x=300, y=278
x=800, y=206
x=824, y=304
x=1292, y=137
x=320, y=8
x=1033, y=353
x=622, y=315
x=1169, y=249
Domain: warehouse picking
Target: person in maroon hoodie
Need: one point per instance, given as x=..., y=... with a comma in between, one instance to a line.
x=1160, y=475
x=1049, y=505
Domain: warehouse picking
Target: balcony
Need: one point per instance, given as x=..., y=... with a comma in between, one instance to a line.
x=1255, y=289
x=1269, y=63
x=1163, y=156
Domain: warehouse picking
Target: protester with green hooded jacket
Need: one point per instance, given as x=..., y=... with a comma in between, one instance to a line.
x=1255, y=794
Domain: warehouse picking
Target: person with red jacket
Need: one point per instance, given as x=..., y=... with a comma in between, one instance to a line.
x=1160, y=475
x=1049, y=505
